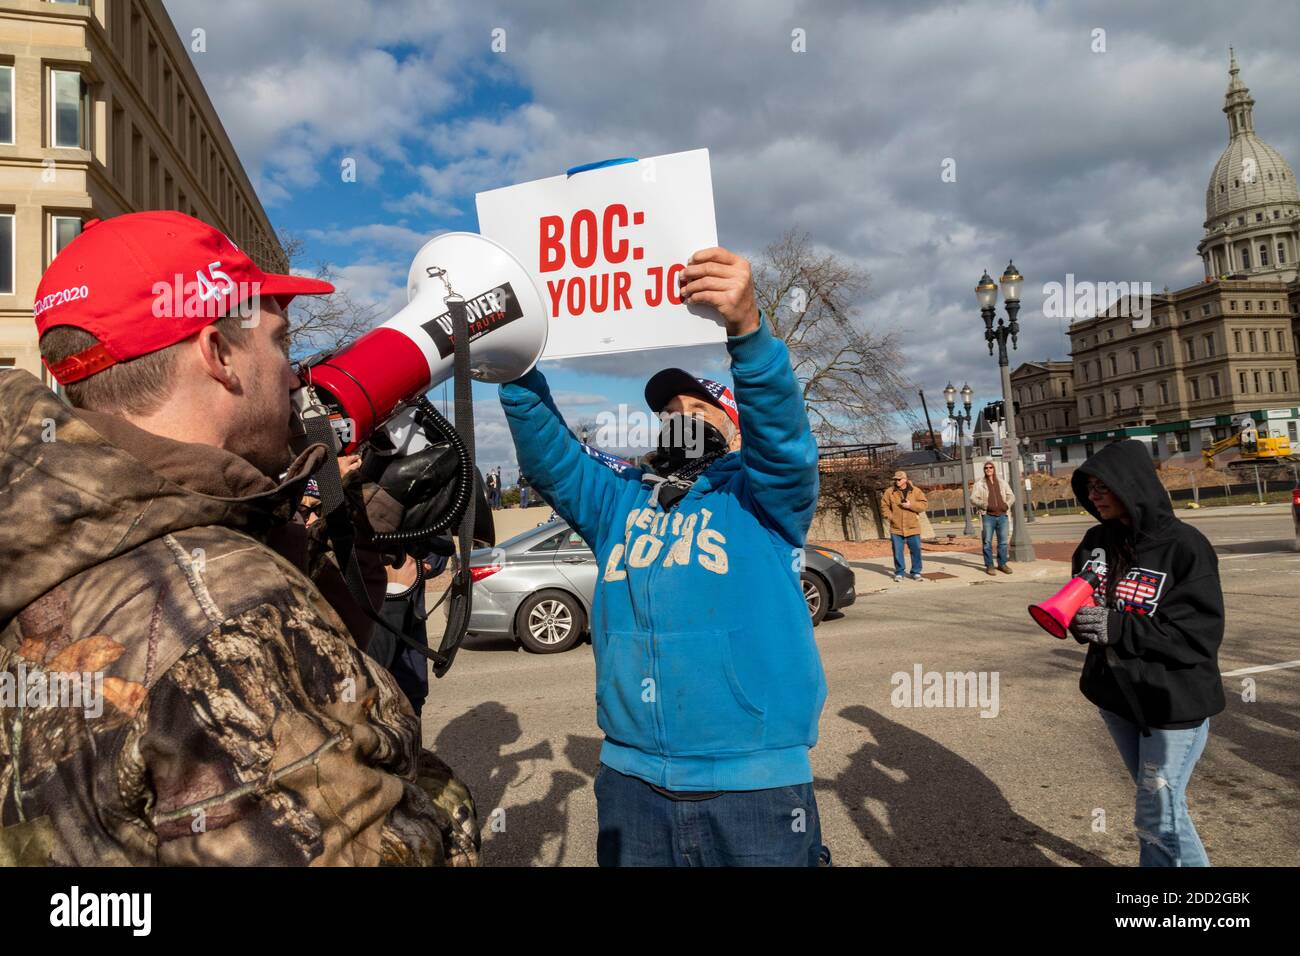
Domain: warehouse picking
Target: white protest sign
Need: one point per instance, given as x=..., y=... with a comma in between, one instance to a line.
x=605, y=247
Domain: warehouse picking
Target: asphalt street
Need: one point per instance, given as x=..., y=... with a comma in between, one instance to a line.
x=1038, y=783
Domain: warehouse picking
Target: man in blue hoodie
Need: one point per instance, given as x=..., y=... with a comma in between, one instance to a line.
x=708, y=682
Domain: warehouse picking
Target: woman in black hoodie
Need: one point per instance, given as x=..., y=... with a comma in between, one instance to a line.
x=1152, y=664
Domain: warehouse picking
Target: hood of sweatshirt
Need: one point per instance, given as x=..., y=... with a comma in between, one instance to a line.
x=78, y=488
x=1126, y=468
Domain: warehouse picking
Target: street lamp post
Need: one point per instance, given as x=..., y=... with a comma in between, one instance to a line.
x=1025, y=462
x=962, y=420
x=986, y=293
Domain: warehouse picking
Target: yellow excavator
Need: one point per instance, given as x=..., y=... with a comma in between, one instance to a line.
x=1256, y=450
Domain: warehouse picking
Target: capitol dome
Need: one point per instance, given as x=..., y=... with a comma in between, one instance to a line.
x=1252, y=207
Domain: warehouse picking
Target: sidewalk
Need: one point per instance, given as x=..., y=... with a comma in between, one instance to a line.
x=949, y=569
x=1180, y=508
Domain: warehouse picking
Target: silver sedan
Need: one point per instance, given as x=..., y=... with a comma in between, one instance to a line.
x=537, y=587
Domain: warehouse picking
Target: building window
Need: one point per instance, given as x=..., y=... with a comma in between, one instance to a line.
x=1247, y=303
x=1250, y=339
x=7, y=264
x=1137, y=360
x=1281, y=253
x=1141, y=396
x=1286, y=381
x=6, y=105
x=1245, y=261
x=1255, y=376
x=1195, y=385
x=1189, y=350
x=1281, y=341
x=1232, y=305
x=1214, y=386
x=1272, y=382
x=1160, y=353
x=69, y=110
x=1114, y=400
x=1209, y=345
x=1110, y=334
x=63, y=229
x=1236, y=341
x=1087, y=400
x=1205, y=309
x=1164, y=393
x=1114, y=364
x=1242, y=382
x=1187, y=315
x=1263, y=254
x=1268, y=343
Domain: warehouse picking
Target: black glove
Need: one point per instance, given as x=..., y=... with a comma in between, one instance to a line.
x=423, y=483
x=1091, y=625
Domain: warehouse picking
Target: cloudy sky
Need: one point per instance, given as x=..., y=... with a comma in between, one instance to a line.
x=1069, y=159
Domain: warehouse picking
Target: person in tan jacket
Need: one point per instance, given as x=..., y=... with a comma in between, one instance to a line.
x=901, y=505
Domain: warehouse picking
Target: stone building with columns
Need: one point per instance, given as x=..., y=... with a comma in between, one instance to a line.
x=1182, y=369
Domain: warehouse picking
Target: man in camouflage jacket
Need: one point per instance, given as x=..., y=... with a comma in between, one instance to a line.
x=179, y=690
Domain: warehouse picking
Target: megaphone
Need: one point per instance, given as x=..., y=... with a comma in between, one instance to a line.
x=1055, y=614
x=366, y=382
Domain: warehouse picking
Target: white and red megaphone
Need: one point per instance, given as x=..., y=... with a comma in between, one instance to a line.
x=366, y=382
x=1055, y=614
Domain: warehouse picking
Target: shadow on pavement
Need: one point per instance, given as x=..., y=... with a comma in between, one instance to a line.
x=1262, y=734
x=475, y=744
x=940, y=809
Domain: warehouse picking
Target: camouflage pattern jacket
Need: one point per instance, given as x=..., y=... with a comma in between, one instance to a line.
x=172, y=689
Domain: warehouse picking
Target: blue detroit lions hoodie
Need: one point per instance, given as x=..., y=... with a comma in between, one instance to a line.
x=707, y=675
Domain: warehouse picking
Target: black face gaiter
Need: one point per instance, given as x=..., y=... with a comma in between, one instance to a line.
x=685, y=440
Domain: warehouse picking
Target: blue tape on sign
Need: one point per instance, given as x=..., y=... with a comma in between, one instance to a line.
x=585, y=167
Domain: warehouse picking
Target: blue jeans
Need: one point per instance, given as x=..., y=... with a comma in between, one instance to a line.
x=913, y=545
x=637, y=826
x=1161, y=765
x=991, y=524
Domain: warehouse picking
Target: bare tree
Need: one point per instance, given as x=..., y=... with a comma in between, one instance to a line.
x=850, y=486
x=322, y=323
x=850, y=374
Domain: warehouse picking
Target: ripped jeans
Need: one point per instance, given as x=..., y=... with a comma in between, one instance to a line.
x=1161, y=765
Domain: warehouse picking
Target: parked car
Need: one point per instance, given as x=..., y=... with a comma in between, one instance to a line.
x=537, y=587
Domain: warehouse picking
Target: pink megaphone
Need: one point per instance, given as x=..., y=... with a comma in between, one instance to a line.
x=1055, y=614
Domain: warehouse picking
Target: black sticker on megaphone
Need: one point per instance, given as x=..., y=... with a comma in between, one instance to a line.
x=485, y=312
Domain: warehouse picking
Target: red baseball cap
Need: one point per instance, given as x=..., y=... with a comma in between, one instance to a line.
x=670, y=382
x=146, y=280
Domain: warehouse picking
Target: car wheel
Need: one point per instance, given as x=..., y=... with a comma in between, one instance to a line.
x=549, y=622
x=816, y=596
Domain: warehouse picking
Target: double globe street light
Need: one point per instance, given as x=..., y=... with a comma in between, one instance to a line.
x=986, y=293
x=962, y=420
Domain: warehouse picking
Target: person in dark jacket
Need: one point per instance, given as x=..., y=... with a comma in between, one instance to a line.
x=1152, y=665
